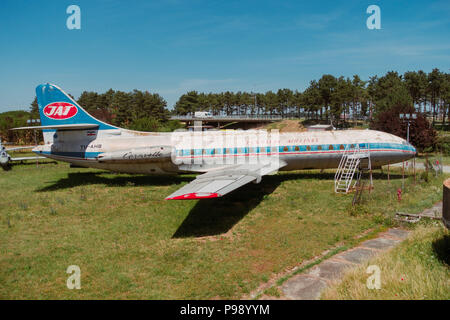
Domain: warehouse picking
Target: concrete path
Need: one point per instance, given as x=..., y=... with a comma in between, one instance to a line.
x=419, y=166
x=433, y=212
x=308, y=286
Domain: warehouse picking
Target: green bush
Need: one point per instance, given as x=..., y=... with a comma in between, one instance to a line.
x=154, y=125
x=170, y=126
x=443, y=144
x=145, y=124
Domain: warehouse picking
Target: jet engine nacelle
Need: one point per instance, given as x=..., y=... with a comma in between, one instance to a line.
x=4, y=158
x=138, y=155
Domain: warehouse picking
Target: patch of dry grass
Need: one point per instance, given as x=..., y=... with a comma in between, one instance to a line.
x=416, y=269
x=132, y=244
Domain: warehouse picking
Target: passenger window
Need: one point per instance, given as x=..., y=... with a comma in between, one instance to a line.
x=341, y=147
x=308, y=148
x=285, y=149
x=297, y=148
x=319, y=148
x=330, y=147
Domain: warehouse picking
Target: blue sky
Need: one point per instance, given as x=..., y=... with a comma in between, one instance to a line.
x=174, y=46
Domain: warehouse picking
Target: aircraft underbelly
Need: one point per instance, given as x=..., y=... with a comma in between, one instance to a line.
x=294, y=162
x=144, y=168
x=330, y=161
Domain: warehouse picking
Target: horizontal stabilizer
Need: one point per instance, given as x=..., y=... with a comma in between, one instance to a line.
x=19, y=148
x=27, y=158
x=76, y=126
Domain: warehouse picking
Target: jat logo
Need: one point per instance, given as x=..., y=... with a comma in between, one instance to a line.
x=60, y=110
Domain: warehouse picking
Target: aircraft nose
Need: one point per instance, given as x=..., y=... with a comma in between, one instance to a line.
x=410, y=147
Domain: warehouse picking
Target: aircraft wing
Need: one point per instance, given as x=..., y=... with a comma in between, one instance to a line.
x=19, y=148
x=75, y=126
x=219, y=182
x=27, y=158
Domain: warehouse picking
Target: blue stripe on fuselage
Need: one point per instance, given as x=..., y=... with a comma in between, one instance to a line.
x=291, y=148
x=81, y=155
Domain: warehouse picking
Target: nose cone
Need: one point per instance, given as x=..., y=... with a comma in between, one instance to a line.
x=409, y=150
x=4, y=158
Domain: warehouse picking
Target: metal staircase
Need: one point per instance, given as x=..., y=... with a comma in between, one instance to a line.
x=355, y=156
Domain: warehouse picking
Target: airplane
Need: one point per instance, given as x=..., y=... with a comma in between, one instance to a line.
x=5, y=158
x=224, y=160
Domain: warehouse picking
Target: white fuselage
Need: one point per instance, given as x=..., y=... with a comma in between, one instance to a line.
x=121, y=150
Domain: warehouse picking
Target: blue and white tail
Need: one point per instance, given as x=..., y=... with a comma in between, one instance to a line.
x=57, y=108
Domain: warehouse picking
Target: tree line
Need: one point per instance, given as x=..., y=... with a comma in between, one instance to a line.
x=330, y=97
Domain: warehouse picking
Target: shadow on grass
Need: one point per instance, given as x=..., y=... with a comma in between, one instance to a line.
x=208, y=216
x=91, y=178
x=441, y=248
x=317, y=175
x=11, y=165
x=6, y=167
x=75, y=179
x=216, y=216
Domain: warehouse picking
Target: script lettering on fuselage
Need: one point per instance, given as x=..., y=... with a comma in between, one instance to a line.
x=304, y=140
x=134, y=156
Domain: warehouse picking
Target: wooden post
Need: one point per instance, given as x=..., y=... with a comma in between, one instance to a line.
x=388, y=173
x=403, y=175
x=446, y=204
x=414, y=168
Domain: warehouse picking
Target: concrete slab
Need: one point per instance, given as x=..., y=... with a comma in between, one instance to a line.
x=309, y=286
x=433, y=212
x=445, y=169
x=397, y=233
x=303, y=287
x=329, y=269
x=357, y=255
x=380, y=243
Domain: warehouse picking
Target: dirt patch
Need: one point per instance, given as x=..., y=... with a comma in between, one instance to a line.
x=285, y=126
x=292, y=126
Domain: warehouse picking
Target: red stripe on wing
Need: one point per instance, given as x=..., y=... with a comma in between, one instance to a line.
x=192, y=196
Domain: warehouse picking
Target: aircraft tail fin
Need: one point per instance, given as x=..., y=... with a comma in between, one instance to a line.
x=57, y=108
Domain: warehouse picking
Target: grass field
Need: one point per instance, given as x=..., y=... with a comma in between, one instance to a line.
x=417, y=269
x=132, y=244
x=444, y=159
